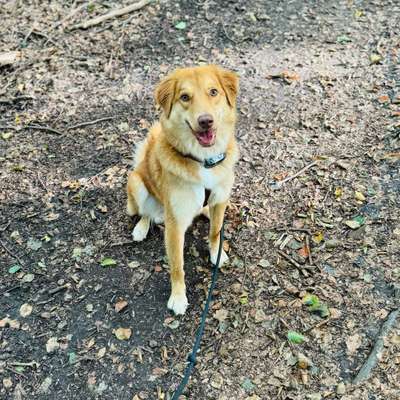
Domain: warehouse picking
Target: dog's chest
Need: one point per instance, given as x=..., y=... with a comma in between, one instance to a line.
x=209, y=179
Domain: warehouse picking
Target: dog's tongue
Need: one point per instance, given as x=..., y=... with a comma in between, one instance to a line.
x=206, y=138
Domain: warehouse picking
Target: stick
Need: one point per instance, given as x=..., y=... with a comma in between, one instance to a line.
x=10, y=57
x=89, y=123
x=373, y=358
x=15, y=99
x=43, y=128
x=11, y=253
x=309, y=249
x=279, y=184
x=70, y=15
x=318, y=325
x=295, y=263
x=58, y=289
x=116, y=13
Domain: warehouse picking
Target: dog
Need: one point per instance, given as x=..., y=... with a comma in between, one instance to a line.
x=190, y=150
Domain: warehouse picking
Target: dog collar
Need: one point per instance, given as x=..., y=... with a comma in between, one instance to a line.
x=209, y=162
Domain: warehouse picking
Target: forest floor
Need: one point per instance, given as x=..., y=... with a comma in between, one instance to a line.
x=318, y=90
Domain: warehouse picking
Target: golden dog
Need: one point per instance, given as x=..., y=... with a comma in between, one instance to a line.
x=192, y=148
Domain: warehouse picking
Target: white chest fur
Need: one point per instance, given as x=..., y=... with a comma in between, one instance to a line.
x=209, y=178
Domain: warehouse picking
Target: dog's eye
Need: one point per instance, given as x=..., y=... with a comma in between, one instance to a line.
x=185, y=97
x=213, y=92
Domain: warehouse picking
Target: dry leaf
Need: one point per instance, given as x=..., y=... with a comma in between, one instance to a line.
x=120, y=305
x=353, y=343
x=123, y=333
x=221, y=315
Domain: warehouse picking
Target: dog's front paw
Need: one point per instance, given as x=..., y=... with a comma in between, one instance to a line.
x=178, y=303
x=214, y=255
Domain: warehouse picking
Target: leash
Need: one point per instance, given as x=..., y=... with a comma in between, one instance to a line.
x=199, y=335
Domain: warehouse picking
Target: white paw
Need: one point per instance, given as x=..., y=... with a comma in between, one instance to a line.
x=178, y=303
x=140, y=231
x=224, y=258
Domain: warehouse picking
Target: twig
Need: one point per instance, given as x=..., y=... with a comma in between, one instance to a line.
x=294, y=230
x=128, y=242
x=115, y=13
x=23, y=364
x=43, y=128
x=11, y=253
x=309, y=249
x=58, y=289
x=69, y=16
x=16, y=372
x=82, y=124
x=15, y=99
x=279, y=184
x=319, y=324
x=365, y=371
x=2, y=229
x=302, y=268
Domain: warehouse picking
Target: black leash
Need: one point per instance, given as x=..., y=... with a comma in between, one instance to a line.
x=192, y=356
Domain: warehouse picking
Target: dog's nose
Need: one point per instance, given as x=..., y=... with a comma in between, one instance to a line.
x=205, y=121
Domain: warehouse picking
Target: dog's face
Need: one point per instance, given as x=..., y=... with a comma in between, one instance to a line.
x=198, y=106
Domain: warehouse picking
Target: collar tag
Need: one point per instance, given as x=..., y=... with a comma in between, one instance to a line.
x=213, y=161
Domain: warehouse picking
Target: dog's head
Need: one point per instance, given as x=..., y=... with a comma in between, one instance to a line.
x=199, y=107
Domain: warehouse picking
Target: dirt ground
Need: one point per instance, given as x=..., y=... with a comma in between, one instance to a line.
x=319, y=89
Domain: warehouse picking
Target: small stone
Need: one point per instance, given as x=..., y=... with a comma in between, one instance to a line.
x=28, y=278
x=341, y=388
x=153, y=343
x=89, y=307
x=52, y=345
x=332, y=243
x=359, y=196
x=314, y=396
x=7, y=383
x=25, y=310
x=264, y=263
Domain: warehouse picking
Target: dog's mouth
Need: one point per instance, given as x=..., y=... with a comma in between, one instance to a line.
x=205, y=138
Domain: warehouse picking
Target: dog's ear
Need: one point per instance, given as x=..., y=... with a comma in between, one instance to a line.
x=230, y=83
x=165, y=93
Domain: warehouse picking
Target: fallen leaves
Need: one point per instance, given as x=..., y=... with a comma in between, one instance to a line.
x=287, y=76
x=123, y=333
x=221, y=315
x=120, y=305
x=295, y=337
x=52, y=345
x=108, y=262
x=356, y=222
x=353, y=343
x=14, y=269
x=8, y=322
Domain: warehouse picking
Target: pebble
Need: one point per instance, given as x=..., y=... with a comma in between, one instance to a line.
x=341, y=388
x=52, y=345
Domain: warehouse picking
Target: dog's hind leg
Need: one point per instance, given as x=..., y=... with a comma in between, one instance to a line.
x=141, y=229
x=132, y=207
x=136, y=201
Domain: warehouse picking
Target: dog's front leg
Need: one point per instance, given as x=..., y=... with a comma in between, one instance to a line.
x=174, y=242
x=217, y=212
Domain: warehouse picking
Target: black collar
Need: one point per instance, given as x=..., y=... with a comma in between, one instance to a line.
x=208, y=162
